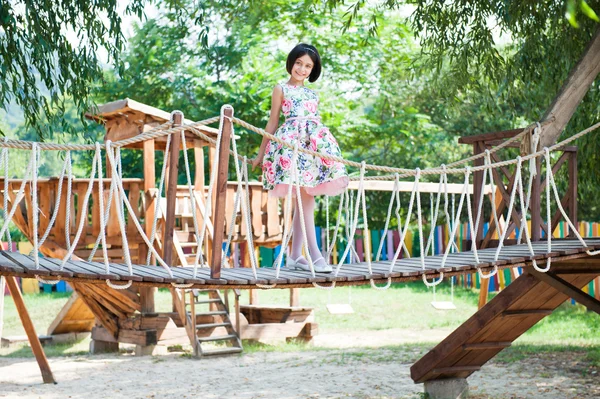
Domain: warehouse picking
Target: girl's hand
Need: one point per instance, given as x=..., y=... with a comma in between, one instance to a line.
x=256, y=161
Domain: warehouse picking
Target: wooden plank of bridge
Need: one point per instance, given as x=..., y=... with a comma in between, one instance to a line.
x=34, y=341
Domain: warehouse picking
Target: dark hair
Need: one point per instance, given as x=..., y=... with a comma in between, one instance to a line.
x=300, y=51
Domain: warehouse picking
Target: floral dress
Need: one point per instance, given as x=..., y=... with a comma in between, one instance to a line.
x=303, y=126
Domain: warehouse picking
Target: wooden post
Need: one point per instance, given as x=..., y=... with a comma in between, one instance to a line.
x=573, y=191
x=294, y=297
x=221, y=194
x=484, y=291
x=172, y=191
x=253, y=297
x=147, y=293
x=597, y=288
x=478, y=148
x=34, y=341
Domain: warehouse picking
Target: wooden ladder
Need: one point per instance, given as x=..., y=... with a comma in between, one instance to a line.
x=212, y=324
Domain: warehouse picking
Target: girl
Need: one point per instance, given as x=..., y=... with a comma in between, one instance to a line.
x=302, y=125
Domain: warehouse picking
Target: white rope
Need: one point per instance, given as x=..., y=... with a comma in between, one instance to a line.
x=562, y=210
x=488, y=161
x=157, y=200
x=354, y=223
x=139, y=228
x=524, y=223
x=56, y=202
x=5, y=164
x=510, y=208
x=421, y=243
x=403, y=231
x=18, y=197
x=367, y=241
x=388, y=216
x=104, y=217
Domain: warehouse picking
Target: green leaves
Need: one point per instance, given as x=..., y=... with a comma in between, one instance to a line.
x=583, y=6
x=48, y=52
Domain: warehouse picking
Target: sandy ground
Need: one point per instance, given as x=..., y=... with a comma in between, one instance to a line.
x=336, y=372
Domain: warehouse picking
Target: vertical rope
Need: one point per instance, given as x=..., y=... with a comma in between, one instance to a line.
x=5, y=163
x=388, y=216
x=158, y=199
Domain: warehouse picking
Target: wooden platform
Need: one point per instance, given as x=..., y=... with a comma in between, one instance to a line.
x=14, y=264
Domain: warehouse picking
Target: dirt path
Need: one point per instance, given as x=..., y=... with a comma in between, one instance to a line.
x=328, y=373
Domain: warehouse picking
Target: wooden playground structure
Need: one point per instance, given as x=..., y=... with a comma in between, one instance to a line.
x=130, y=316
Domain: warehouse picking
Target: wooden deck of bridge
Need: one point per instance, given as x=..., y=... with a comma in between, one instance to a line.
x=409, y=269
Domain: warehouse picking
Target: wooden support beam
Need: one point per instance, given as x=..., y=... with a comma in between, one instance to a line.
x=136, y=337
x=34, y=341
x=567, y=288
x=294, y=297
x=221, y=192
x=486, y=345
x=572, y=92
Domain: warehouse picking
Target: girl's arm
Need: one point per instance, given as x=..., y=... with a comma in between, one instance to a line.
x=276, y=100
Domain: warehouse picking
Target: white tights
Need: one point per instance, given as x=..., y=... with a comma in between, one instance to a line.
x=308, y=206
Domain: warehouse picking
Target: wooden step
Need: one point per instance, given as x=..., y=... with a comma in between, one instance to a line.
x=219, y=338
x=213, y=313
x=222, y=351
x=212, y=325
x=203, y=301
x=188, y=244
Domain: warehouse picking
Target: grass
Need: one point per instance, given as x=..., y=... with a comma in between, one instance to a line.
x=403, y=306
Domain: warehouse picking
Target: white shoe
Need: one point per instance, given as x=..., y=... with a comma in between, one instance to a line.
x=294, y=264
x=324, y=268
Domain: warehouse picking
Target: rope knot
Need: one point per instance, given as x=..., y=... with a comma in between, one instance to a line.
x=417, y=172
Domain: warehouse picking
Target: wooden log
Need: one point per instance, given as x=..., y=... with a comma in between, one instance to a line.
x=221, y=192
x=34, y=341
x=572, y=92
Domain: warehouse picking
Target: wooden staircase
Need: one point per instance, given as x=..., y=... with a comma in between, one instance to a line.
x=212, y=325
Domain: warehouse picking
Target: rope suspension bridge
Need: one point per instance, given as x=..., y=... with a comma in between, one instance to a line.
x=131, y=243
x=201, y=274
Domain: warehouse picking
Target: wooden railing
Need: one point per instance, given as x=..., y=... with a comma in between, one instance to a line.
x=47, y=192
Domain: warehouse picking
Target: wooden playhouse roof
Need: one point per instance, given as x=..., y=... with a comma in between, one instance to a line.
x=128, y=118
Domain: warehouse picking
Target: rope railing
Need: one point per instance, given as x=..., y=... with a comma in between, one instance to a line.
x=355, y=207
